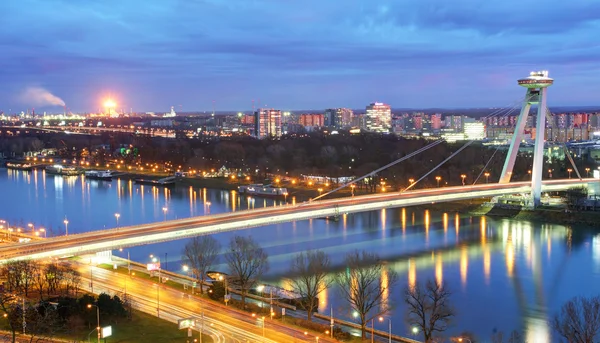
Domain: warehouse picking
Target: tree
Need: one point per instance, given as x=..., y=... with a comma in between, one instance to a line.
x=202, y=253
x=428, y=308
x=360, y=285
x=247, y=262
x=9, y=308
x=309, y=279
x=579, y=320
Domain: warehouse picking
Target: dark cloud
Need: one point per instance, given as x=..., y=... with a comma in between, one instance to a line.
x=305, y=54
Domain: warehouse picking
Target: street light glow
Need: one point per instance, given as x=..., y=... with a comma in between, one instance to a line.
x=110, y=103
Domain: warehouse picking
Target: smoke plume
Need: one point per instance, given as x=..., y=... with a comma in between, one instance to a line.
x=38, y=96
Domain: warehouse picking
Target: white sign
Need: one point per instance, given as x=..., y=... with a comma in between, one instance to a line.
x=106, y=331
x=153, y=266
x=283, y=311
x=186, y=323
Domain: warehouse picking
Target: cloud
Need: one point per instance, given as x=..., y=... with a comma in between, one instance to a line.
x=38, y=96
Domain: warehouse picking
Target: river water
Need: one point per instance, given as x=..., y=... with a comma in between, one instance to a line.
x=504, y=274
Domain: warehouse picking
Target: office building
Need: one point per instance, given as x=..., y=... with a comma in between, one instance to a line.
x=267, y=123
x=378, y=117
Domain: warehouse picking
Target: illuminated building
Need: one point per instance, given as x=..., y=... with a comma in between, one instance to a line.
x=378, y=117
x=267, y=123
x=338, y=117
x=311, y=120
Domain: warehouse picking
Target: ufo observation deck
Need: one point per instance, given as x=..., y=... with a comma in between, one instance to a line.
x=536, y=79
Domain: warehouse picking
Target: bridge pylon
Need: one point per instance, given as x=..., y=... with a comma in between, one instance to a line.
x=536, y=84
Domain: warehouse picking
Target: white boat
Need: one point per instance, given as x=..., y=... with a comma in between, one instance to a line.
x=262, y=190
x=98, y=174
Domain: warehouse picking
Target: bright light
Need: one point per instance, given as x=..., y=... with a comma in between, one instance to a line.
x=109, y=103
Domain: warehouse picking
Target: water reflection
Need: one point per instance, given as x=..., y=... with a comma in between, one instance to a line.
x=522, y=270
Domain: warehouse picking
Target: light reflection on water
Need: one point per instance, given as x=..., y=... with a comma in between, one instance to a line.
x=517, y=268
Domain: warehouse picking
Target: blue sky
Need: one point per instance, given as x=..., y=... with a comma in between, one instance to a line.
x=295, y=54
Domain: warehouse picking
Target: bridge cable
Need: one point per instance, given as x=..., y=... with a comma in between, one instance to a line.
x=414, y=153
x=439, y=165
x=567, y=152
x=497, y=149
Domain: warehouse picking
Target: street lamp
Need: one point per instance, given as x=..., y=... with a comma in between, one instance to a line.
x=352, y=186
x=128, y=261
x=33, y=226
x=587, y=170
x=438, y=179
x=460, y=339
x=569, y=170
x=44, y=231
x=97, y=318
x=154, y=259
x=415, y=330
x=165, y=213
x=66, y=226
x=411, y=181
x=463, y=177
x=117, y=215
x=389, y=326
x=487, y=177
x=320, y=191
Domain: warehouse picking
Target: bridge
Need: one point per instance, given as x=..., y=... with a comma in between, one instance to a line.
x=110, y=239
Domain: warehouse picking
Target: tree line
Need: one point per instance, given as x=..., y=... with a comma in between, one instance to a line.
x=308, y=154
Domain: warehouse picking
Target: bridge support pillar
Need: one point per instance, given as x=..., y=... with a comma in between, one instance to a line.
x=536, y=85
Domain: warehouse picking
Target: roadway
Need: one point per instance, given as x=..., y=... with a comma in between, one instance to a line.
x=223, y=324
x=111, y=239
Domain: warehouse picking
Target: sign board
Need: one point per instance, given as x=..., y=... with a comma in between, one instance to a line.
x=283, y=311
x=153, y=266
x=186, y=323
x=106, y=331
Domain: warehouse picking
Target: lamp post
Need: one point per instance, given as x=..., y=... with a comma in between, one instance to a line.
x=117, y=215
x=411, y=181
x=44, y=231
x=352, y=186
x=438, y=179
x=165, y=213
x=487, y=177
x=97, y=318
x=587, y=171
x=569, y=170
x=463, y=177
x=66, y=226
x=461, y=339
x=381, y=318
x=128, y=261
x=154, y=259
x=33, y=226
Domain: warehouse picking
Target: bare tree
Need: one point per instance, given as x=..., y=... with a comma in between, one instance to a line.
x=247, y=262
x=362, y=286
x=9, y=308
x=202, y=253
x=428, y=308
x=309, y=277
x=39, y=280
x=72, y=280
x=579, y=320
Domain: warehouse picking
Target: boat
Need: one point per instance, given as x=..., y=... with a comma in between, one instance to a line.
x=165, y=182
x=263, y=190
x=98, y=174
x=59, y=169
x=21, y=165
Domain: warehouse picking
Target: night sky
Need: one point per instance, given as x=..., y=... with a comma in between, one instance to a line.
x=294, y=54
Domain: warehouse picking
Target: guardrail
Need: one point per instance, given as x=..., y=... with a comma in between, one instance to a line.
x=379, y=333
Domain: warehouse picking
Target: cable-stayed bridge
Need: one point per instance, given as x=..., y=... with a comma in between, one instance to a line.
x=103, y=240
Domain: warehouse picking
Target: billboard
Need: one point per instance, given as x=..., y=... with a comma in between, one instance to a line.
x=106, y=331
x=153, y=266
x=186, y=323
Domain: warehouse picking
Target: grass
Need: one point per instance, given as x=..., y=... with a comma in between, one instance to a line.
x=142, y=328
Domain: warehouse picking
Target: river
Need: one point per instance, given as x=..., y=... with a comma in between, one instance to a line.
x=504, y=274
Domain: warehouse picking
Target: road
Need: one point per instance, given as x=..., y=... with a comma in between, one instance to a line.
x=111, y=239
x=223, y=324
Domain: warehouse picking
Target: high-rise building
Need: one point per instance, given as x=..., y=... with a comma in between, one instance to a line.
x=338, y=117
x=267, y=123
x=311, y=120
x=378, y=117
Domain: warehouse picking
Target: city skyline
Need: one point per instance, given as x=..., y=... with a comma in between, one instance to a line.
x=227, y=55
